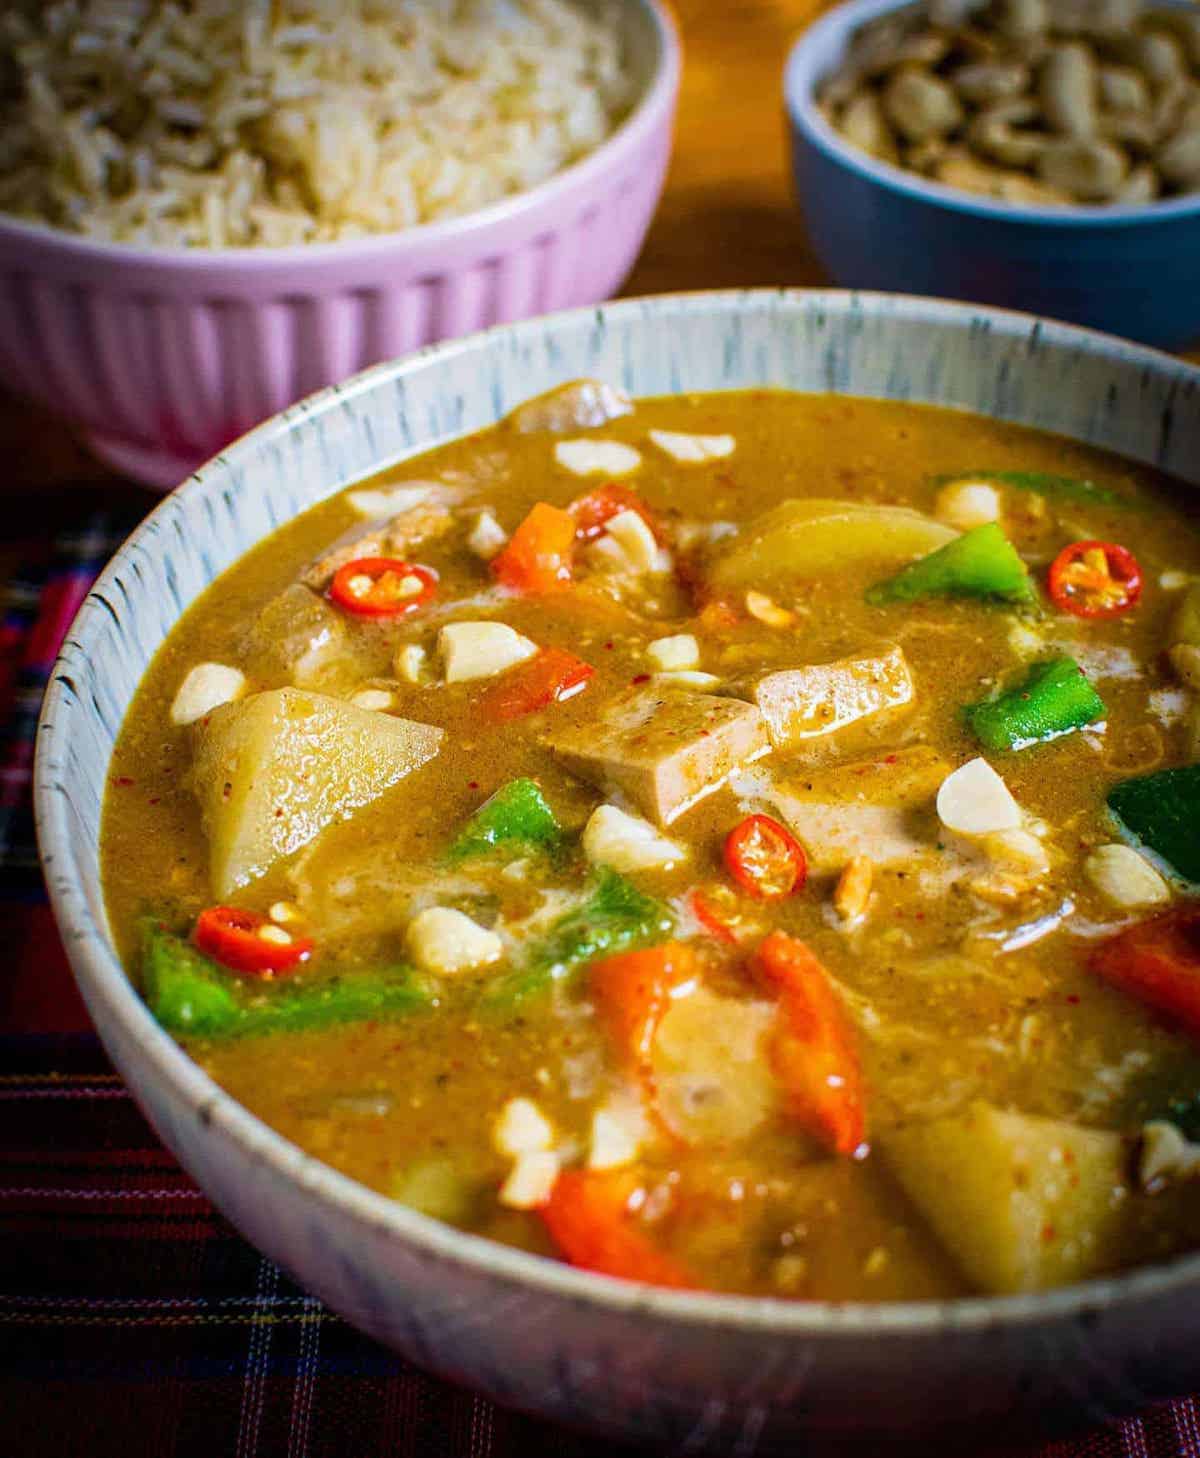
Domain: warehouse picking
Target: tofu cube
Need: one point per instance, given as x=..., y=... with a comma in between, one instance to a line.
x=663, y=751
x=821, y=698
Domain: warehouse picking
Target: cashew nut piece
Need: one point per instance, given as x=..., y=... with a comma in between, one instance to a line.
x=862, y=123
x=1090, y=171
x=992, y=133
x=982, y=83
x=920, y=106
x=1067, y=86
x=1141, y=186
x=1122, y=89
x=1179, y=160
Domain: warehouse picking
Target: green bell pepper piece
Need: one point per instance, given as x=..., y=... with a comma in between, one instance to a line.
x=1162, y=812
x=517, y=814
x=186, y=992
x=980, y=563
x=615, y=918
x=194, y=997
x=1053, y=699
x=1045, y=483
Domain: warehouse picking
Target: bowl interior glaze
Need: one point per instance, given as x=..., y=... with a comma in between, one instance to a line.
x=597, y=1352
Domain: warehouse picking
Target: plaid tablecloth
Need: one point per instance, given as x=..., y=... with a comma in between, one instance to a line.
x=134, y=1321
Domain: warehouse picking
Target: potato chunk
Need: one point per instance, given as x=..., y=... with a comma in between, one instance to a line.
x=665, y=751
x=711, y=1066
x=806, y=538
x=273, y=770
x=821, y=698
x=1022, y=1203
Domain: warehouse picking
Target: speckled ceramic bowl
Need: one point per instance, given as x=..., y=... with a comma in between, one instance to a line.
x=161, y=356
x=711, y=1374
x=1130, y=270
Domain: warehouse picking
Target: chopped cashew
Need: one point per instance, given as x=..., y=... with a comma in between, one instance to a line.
x=487, y=536
x=597, y=457
x=530, y=1180
x=613, y=1142
x=679, y=651
x=1185, y=660
x=628, y=545
x=1017, y=850
x=1166, y=1155
x=479, y=650
x=965, y=504
x=627, y=842
x=767, y=610
x=373, y=698
x=206, y=687
x=1124, y=877
x=692, y=450
x=687, y=678
x=522, y=1128
x=1025, y=642
x=443, y=940
x=410, y=663
x=853, y=890
x=380, y=503
x=974, y=800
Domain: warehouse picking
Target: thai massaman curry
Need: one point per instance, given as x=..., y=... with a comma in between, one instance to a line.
x=738, y=841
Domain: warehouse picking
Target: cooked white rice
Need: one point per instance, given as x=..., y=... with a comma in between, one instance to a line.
x=232, y=123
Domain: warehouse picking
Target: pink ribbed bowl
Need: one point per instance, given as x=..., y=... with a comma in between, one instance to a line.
x=161, y=356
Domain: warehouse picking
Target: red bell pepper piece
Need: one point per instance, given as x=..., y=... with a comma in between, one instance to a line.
x=633, y=991
x=1158, y=962
x=538, y=555
x=814, y=1050
x=548, y=678
x=589, y=1219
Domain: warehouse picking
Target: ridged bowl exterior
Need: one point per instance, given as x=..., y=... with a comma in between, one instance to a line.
x=1127, y=270
x=163, y=356
x=707, y=1374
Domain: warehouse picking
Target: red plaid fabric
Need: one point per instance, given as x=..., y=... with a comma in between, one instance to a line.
x=133, y=1320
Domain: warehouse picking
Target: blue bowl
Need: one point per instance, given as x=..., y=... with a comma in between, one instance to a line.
x=1127, y=270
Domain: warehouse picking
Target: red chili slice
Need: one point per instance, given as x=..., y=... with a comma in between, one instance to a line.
x=382, y=587
x=235, y=939
x=1095, y=579
x=711, y=910
x=764, y=859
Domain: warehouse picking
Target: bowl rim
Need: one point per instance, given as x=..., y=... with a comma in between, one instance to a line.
x=652, y=107
x=800, y=78
x=104, y=980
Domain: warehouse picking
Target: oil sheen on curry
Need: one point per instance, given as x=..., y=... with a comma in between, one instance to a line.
x=740, y=842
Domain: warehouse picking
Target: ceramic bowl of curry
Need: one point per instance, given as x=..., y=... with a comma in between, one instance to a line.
x=648, y=858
